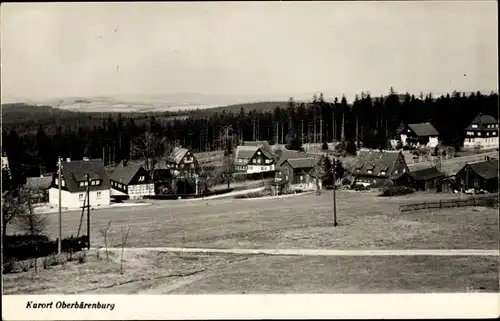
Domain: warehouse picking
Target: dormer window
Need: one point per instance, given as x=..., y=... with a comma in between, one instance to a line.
x=370, y=171
x=396, y=171
x=474, y=126
x=382, y=173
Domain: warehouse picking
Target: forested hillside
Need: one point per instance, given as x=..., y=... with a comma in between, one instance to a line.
x=33, y=137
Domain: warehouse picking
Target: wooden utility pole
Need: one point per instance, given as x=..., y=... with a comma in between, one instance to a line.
x=88, y=210
x=59, y=241
x=104, y=156
x=334, y=198
x=315, y=125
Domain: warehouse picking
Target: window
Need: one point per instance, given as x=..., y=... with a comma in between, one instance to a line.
x=396, y=171
x=301, y=177
x=404, y=170
x=98, y=194
x=80, y=196
x=474, y=125
x=81, y=184
x=382, y=173
x=494, y=134
x=141, y=178
x=254, y=161
x=478, y=133
x=259, y=161
x=487, y=134
x=261, y=168
x=63, y=183
x=370, y=171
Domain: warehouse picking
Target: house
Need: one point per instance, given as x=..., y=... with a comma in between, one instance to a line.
x=5, y=162
x=482, y=175
x=254, y=159
x=132, y=180
x=39, y=188
x=374, y=167
x=260, y=143
x=482, y=133
x=74, y=184
x=419, y=135
x=182, y=162
x=427, y=179
x=298, y=172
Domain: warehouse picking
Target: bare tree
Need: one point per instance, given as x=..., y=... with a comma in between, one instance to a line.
x=124, y=241
x=318, y=174
x=152, y=148
x=104, y=233
x=13, y=206
x=477, y=148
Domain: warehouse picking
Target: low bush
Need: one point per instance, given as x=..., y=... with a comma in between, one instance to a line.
x=9, y=265
x=396, y=190
x=253, y=195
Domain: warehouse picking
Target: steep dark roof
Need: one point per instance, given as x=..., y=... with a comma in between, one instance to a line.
x=38, y=183
x=426, y=173
x=244, y=151
x=292, y=154
x=177, y=155
x=423, y=129
x=301, y=163
x=74, y=172
x=482, y=120
x=486, y=169
x=124, y=173
x=264, y=145
x=376, y=161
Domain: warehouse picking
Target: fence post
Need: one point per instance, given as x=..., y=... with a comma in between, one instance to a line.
x=440, y=203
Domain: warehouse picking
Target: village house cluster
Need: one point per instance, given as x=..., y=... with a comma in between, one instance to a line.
x=256, y=160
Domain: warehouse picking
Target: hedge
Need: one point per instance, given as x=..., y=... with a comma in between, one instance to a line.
x=23, y=247
x=396, y=190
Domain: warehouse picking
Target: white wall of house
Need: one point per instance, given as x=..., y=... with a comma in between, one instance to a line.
x=260, y=168
x=432, y=142
x=140, y=190
x=484, y=142
x=76, y=200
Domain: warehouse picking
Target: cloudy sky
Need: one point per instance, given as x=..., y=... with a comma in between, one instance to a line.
x=59, y=50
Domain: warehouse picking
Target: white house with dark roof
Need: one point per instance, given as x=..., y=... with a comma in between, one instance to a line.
x=253, y=159
x=132, y=180
x=419, y=135
x=74, y=184
x=482, y=133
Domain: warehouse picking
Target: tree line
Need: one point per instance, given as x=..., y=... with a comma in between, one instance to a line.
x=33, y=148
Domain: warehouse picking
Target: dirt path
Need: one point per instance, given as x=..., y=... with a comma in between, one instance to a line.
x=323, y=252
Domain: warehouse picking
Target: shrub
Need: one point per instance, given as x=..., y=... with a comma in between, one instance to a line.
x=9, y=265
x=396, y=190
x=82, y=258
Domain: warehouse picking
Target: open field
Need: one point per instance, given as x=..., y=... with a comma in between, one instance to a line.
x=170, y=273
x=305, y=221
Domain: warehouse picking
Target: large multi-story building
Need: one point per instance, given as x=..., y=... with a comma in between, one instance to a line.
x=482, y=133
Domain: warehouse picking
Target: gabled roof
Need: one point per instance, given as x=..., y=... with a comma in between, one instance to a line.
x=286, y=154
x=264, y=145
x=74, y=172
x=125, y=172
x=302, y=163
x=244, y=151
x=482, y=120
x=423, y=129
x=426, y=173
x=376, y=161
x=38, y=183
x=177, y=155
x=486, y=169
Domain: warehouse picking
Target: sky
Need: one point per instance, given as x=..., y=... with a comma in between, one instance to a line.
x=221, y=48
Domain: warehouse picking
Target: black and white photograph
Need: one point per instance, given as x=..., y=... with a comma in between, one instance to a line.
x=248, y=148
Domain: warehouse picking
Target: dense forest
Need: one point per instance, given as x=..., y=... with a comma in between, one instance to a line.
x=33, y=136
